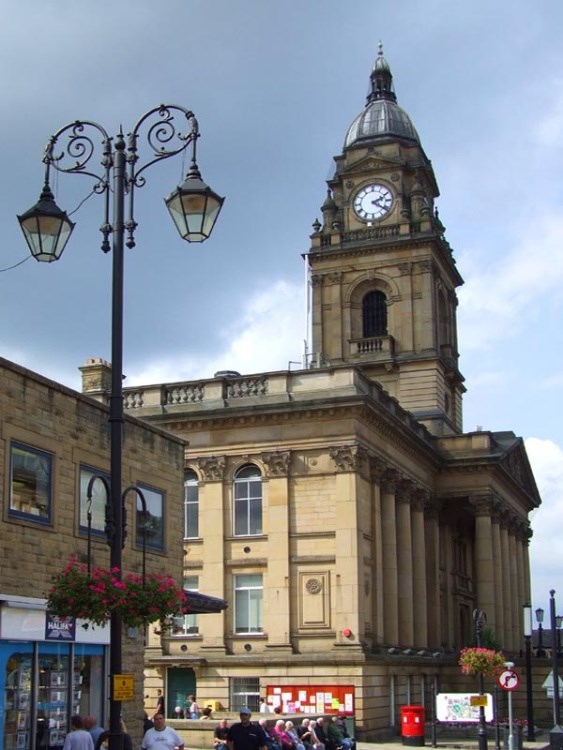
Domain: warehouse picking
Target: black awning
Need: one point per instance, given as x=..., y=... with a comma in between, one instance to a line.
x=200, y=604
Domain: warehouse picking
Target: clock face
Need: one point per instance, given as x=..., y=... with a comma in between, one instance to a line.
x=373, y=202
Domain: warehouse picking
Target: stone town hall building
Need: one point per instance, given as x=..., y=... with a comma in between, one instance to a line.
x=349, y=522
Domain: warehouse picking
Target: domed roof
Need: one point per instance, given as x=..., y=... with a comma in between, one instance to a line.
x=382, y=116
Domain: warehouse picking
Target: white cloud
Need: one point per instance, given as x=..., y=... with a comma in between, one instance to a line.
x=266, y=336
x=498, y=294
x=546, y=550
x=548, y=131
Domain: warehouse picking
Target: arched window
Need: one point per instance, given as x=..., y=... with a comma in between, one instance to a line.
x=443, y=320
x=247, y=502
x=191, y=505
x=374, y=314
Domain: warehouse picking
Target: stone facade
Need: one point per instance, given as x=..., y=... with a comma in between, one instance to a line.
x=340, y=509
x=41, y=525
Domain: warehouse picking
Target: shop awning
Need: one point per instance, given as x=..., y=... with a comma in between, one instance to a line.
x=200, y=604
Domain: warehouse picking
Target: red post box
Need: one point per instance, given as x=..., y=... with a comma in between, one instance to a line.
x=412, y=725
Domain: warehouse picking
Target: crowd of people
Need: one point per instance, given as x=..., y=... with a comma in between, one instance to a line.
x=310, y=734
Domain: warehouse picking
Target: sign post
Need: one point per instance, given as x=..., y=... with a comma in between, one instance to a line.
x=509, y=680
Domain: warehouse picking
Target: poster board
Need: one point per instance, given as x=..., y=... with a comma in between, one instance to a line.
x=311, y=699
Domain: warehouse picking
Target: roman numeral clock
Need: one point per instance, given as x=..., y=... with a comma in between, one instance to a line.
x=373, y=202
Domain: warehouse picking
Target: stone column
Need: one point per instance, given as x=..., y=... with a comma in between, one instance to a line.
x=484, y=558
x=506, y=590
x=377, y=472
x=212, y=529
x=349, y=605
x=433, y=606
x=277, y=527
x=419, y=562
x=389, y=548
x=515, y=601
x=405, y=564
x=497, y=570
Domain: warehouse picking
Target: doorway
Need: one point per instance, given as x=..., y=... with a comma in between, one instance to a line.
x=181, y=682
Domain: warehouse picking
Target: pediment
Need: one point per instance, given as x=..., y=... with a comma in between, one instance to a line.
x=516, y=463
x=371, y=163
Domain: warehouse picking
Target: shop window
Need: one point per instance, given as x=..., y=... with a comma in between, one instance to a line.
x=244, y=691
x=191, y=505
x=150, y=523
x=31, y=478
x=248, y=502
x=248, y=603
x=187, y=624
x=99, y=500
x=49, y=693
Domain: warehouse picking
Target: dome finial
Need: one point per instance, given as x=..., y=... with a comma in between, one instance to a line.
x=381, y=79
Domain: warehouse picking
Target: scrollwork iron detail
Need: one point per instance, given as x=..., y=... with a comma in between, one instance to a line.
x=163, y=136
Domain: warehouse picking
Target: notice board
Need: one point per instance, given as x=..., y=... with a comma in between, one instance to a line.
x=311, y=699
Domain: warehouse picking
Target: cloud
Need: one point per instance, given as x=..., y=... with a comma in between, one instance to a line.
x=546, y=550
x=499, y=296
x=265, y=337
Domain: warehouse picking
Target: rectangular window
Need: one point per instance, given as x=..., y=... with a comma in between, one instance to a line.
x=248, y=603
x=191, y=506
x=149, y=523
x=187, y=625
x=244, y=691
x=99, y=500
x=31, y=483
x=248, y=507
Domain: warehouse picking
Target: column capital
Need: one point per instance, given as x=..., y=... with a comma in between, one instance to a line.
x=483, y=505
x=389, y=481
x=377, y=468
x=405, y=491
x=420, y=499
x=350, y=458
x=276, y=463
x=212, y=468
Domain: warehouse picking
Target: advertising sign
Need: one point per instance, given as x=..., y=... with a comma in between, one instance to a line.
x=460, y=707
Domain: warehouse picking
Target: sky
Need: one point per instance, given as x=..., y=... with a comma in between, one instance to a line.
x=275, y=86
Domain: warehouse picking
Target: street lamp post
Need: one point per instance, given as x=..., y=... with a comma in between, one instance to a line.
x=539, y=617
x=479, y=621
x=194, y=207
x=556, y=734
x=528, y=631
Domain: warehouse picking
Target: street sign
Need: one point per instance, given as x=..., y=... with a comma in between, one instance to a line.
x=478, y=700
x=508, y=679
x=123, y=687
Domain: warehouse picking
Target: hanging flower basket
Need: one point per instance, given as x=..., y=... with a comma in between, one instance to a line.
x=94, y=596
x=485, y=661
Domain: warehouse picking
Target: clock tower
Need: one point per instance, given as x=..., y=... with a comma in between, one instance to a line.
x=382, y=274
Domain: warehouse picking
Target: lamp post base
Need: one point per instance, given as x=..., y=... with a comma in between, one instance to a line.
x=556, y=738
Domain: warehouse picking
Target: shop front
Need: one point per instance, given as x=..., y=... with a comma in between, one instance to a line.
x=49, y=670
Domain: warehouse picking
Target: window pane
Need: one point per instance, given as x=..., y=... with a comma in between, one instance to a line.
x=150, y=523
x=247, y=509
x=191, y=506
x=241, y=612
x=248, y=603
x=31, y=483
x=244, y=691
x=255, y=526
x=99, y=500
x=374, y=313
